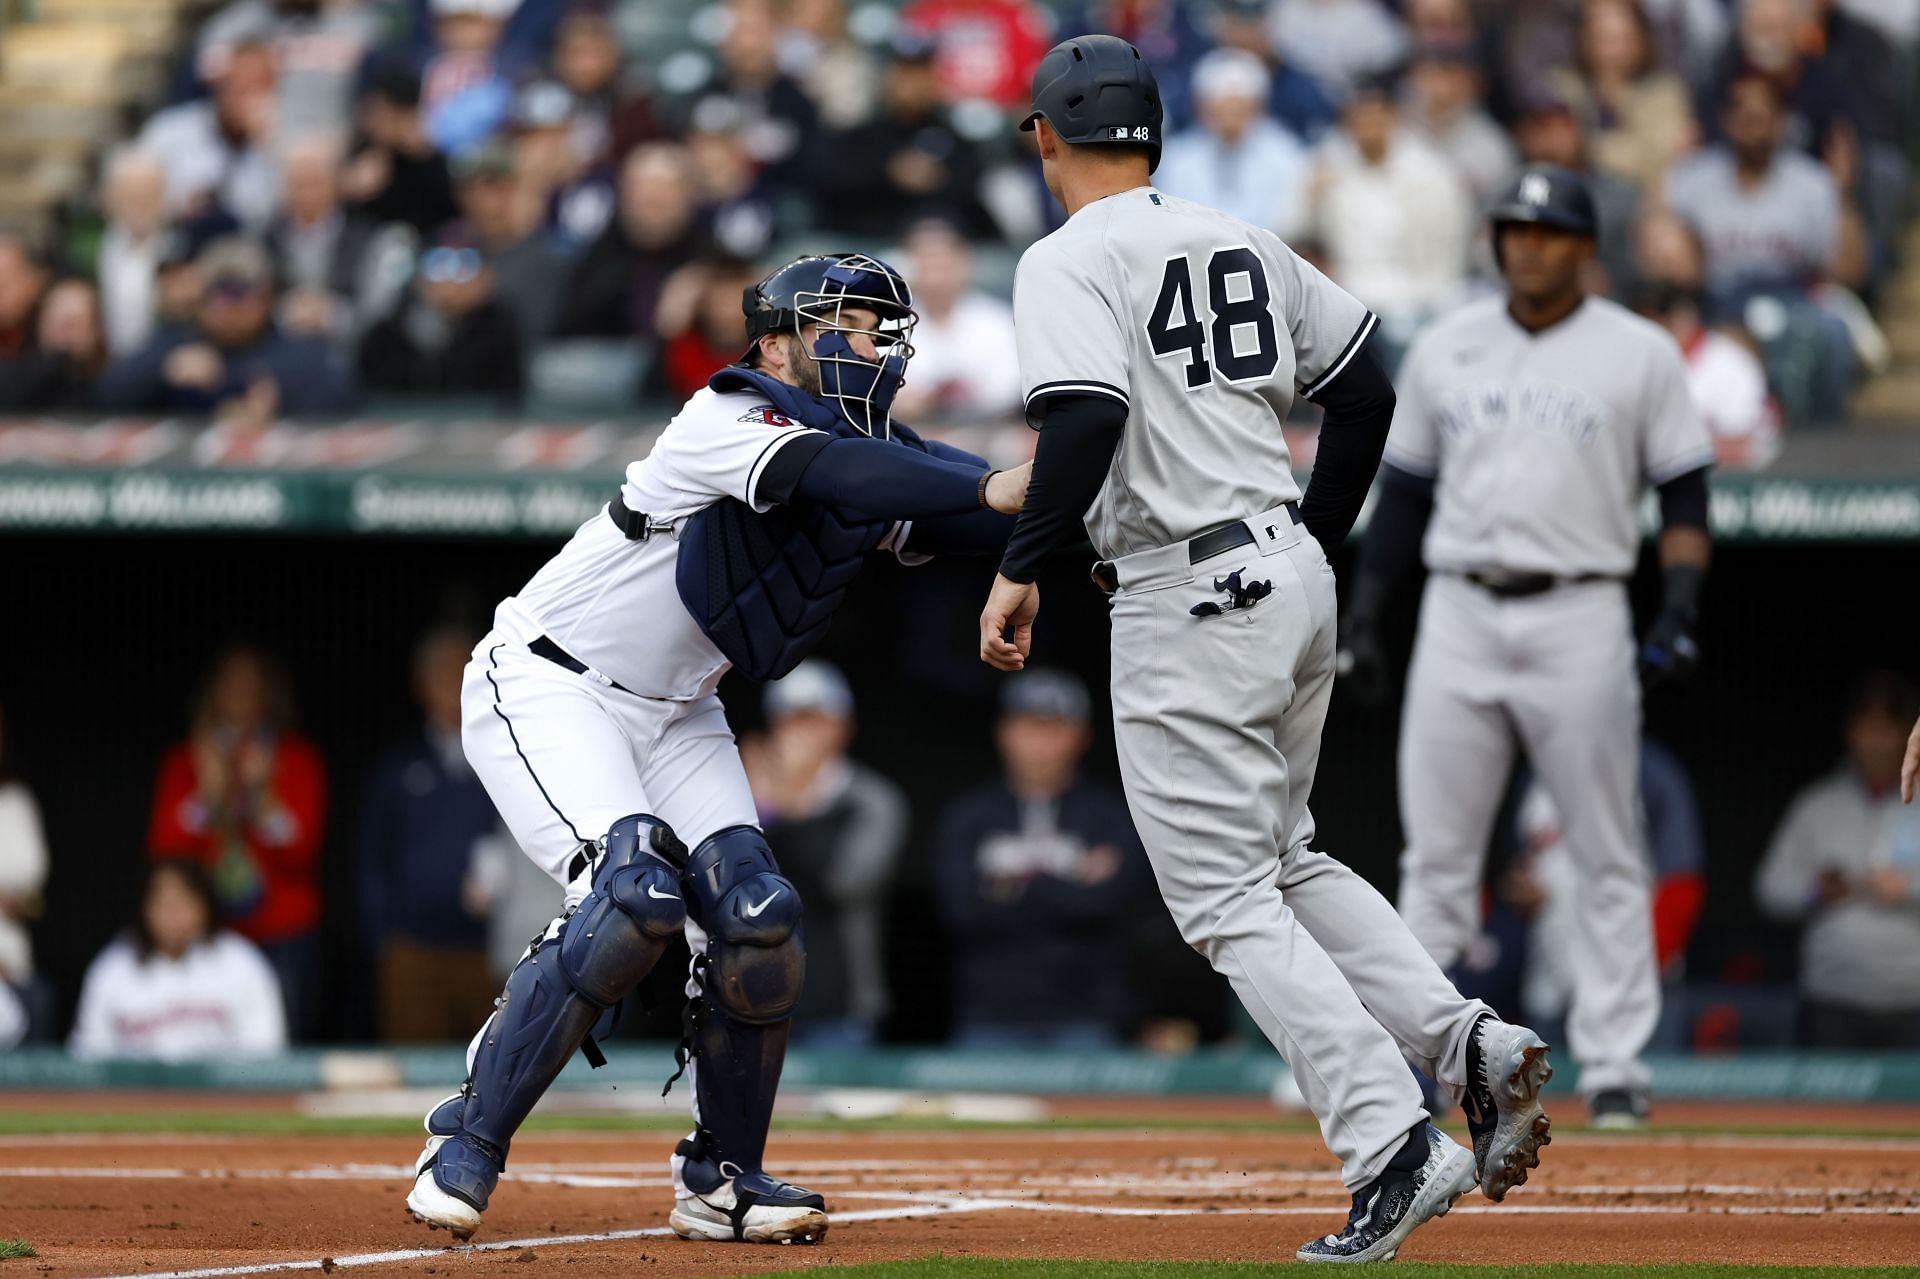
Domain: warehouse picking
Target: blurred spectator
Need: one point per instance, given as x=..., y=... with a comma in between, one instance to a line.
x=1643, y=114
x=1236, y=159
x=1846, y=863
x=451, y=335
x=246, y=796
x=337, y=268
x=578, y=200
x=779, y=122
x=23, y=279
x=1295, y=99
x=837, y=827
x=965, y=363
x=134, y=191
x=737, y=202
x=839, y=73
x=986, y=50
x=175, y=987
x=176, y=285
x=464, y=88
x=1443, y=104
x=68, y=355
x=1038, y=875
x=232, y=362
x=1878, y=74
x=421, y=913
x=23, y=877
x=909, y=161
x=1525, y=44
x=508, y=225
x=394, y=174
x=700, y=324
x=615, y=287
x=610, y=118
x=319, y=46
x=1168, y=33
x=217, y=152
x=1544, y=886
x=1392, y=215
x=1770, y=220
x=1776, y=41
x=1554, y=128
x=1338, y=42
x=1724, y=377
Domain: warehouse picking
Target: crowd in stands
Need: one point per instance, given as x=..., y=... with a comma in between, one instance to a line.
x=1046, y=923
x=355, y=204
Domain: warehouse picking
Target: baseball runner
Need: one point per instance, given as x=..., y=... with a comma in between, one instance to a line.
x=1161, y=344
x=1528, y=426
x=590, y=715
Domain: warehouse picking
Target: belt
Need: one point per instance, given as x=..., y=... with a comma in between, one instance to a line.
x=1222, y=540
x=1515, y=586
x=544, y=647
x=1204, y=547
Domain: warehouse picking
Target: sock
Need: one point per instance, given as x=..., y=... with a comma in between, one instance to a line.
x=1412, y=1153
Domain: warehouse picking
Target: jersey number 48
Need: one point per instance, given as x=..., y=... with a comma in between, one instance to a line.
x=1231, y=317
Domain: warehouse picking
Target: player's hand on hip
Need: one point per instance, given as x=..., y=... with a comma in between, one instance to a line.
x=1669, y=652
x=1007, y=490
x=1910, y=766
x=1006, y=624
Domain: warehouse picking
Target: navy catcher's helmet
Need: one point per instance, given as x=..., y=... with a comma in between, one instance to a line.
x=812, y=290
x=1098, y=89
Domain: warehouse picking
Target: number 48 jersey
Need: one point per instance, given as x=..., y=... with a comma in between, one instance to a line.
x=1204, y=327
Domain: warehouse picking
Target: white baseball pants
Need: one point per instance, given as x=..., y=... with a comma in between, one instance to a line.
x=1218, y=721
x=1554, y=675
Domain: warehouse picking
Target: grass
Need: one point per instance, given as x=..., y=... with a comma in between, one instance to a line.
x=14, y=1249
x=937, y=1266
x=258, y=1124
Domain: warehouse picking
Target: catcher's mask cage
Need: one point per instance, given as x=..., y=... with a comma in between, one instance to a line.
x=818, y=291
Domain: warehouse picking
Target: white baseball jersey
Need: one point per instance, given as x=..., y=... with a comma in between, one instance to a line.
x=219, y=1000
x=1541, y=443
x=1204, y=326
x=613, y=603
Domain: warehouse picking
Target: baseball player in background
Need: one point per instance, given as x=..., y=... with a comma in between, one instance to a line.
x=590, y=715
x=1528, y=426
x=1161, y=345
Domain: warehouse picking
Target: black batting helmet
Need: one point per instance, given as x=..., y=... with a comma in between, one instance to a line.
x=1098, y=89
x=1548, y=195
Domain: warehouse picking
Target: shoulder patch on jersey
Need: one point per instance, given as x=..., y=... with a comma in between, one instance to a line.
x=766, y=415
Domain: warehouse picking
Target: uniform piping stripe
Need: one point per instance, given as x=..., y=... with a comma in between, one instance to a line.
x=1078, y=388
x=1346, y=356
x=493, y=663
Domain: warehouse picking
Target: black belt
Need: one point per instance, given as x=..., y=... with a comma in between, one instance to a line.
x=1224, y=539
x=1515, y=586
x=1204, y=547
x=544, y=647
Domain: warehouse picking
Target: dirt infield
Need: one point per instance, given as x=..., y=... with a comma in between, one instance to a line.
x=99, y=1204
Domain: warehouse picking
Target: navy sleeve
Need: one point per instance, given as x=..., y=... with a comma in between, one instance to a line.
x=948, y=453
x=877, y=479
x=981, y=532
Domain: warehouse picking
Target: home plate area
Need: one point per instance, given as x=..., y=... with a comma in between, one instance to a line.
x=593, y=1204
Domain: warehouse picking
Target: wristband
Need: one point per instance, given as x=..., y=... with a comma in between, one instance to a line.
x=982, y=492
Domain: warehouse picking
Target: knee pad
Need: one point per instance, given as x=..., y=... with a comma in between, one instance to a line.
x=634, y=909
x=756, y=960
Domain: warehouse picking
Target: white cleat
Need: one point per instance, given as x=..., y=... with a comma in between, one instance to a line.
x=440, y=1210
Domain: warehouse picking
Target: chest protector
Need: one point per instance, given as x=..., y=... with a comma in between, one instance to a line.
x=763, y=586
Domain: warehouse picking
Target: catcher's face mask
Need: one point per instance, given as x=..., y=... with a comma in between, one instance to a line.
x=863, y=387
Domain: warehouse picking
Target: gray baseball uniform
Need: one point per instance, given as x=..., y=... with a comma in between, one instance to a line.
x=1540, y=445
x=1204, y=326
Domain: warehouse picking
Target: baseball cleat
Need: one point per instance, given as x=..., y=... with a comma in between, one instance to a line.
x=1507, y=1067
x=1387, y=1209
x=453, y=1176
x=1617, y=1110
x=718, y=1202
